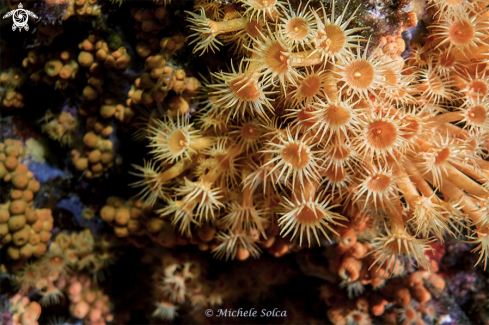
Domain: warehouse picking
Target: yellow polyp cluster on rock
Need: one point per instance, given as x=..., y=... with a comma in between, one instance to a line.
x=26, y=231
x=72, y=266
x=317, y=122
x=51, y=68
x=61, y=128
x=24, y=311
x=97, y=155
x=9, y=96
x=158, y=80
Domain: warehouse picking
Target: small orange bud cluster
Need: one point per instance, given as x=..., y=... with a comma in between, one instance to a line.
x=88, y=302
x=158, y=80
x=149, y=22
x=181, y=283
x=95, y=54
x=83, y=8
x=24, y=311
x=111, y=108
x=9, y=96
x=398, y=299
x=51, y=68
x=124, y=216
x=25, y=229
x=61, y=127
x=97, y=156
x=95, y=51
x=76, y=253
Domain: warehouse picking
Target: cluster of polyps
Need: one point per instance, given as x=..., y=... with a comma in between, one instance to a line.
x=314, y=118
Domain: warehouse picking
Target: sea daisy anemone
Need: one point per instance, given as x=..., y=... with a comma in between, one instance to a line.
x=203, y=195
x=205, y=37
x=310, y=87
x=262, y=175
x=262, y=9
x=450, y=8
x=242, y=39
x=248, y=135
x=379, y=187
x=240, y=93
x=173, y=141
x=272, y=55
x=361, y=75
x=477, y=88
x=481, y=239
x=173, y=284
x=356, y=317
x=409, y=314
x=224, y=155
x=335, y=118
x=243, y=217
x=50, y=295
x=439, y=158
x=389, y=246
x=381, y=136
x=463, y=32
x=434, y=87
x=151, y=183
x=338, y=179
x=304, y=216
x=298, y=27
x=182, y=214
x=165, y=310
x=213, y=9
x=29, y=275
x=56, y=260
x=446, y=61
x=333, y=40
x=294, y=157
x=431, y=217
x=303, y=119
x=476, y=117
x=338, y=155
x=236, y=245
x=398, y=86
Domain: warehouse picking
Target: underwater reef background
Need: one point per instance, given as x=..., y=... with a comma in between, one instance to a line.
x=194, y=162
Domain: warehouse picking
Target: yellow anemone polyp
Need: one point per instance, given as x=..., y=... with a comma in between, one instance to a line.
x=336, y=175
x=297, y=29
x=442, y=156
x=340, y=153
x=336, y=115
x=276, y=58
x=359, y=74
x=306, y=117
x=381, y=134
x=379, y=182
x=310, y=86
x=446, y=60
x=56, y=261
x=477, y=115
x=253, y=28
x=250, y=132
x=412, y=128
x=245, y=88
x=296, y=154
x=461, y=32
x=335, y=39
x=308, y=216
x=177, y=142
x=477, y=89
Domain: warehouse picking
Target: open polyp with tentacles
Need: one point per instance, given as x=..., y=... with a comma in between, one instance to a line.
x=317, y=125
